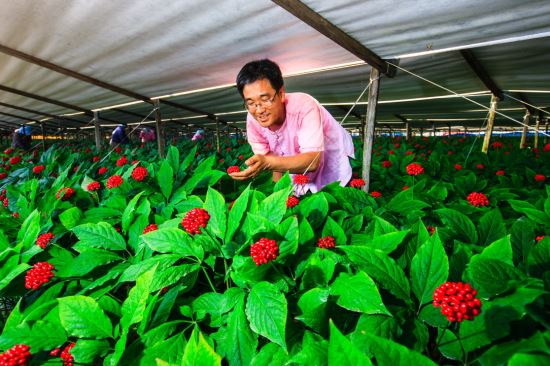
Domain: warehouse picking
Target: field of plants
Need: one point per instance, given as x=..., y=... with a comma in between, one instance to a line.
x=123, y=258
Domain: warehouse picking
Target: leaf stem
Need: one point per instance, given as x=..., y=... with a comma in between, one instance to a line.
x=208, y=278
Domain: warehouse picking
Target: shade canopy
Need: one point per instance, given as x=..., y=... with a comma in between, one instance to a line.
x=189, y=52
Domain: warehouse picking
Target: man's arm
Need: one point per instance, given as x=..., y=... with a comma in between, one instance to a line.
x=296, y=164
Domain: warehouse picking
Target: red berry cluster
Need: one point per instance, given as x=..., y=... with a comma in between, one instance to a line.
x=140, y=173
x=102, y=171
x=95, y=159
x=3, y=175
x=93, y=186
x=415, y=169
x=326, y=242
x=497, y=145
x=540, y=177
x=480, y=166
x=431, y=229
x=114, y=181
x=457, y=301
x=539, y=238
x=118, y=149
x=300, y=179
x=64, y=194
x=357, y=183
x=18, y=355
x=149, y=228
x=386, y=164
x=15, y=160
x=38, y=275
x=546, y=147
x=122, y=161
x=292, y=201
x=500, y=172
x=194, y=220
x=376, y=194
x=68, y=359
x=233, y=169
x=478, y=199
x=38, y=169
x=458, y=167
x=264, y=251
x=8, y=151
x=44, y=239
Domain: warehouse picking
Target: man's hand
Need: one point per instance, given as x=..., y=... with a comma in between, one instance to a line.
x=256, y=164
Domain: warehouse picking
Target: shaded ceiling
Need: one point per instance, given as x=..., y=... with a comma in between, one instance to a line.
x=162, y=48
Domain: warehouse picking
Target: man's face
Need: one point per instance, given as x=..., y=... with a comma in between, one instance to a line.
x=265, y=104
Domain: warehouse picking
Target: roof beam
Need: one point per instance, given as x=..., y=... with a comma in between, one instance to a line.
x=527, y=104
x=481, y=73
x=323, y=26
x=41, y=113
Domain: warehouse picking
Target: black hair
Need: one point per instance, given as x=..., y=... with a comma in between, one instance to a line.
x=258, y=70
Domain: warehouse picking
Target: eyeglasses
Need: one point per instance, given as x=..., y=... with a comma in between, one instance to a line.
x=264, y=103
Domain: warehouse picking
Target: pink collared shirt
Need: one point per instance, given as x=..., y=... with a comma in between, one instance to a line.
x=308, y=127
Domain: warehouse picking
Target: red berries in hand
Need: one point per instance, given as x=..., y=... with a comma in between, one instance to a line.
x=457, y=301
x=264, y=251
x=38, y=275
x=233, y=169
x=194, y=220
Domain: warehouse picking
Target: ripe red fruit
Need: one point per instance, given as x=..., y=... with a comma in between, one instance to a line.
x=118, y=149
x=44, y=239
x=122, y=161
x=539, y=238
x=233, y=169
x=68, y=359
x=140, y=173
x=292, y=201
x=300, y=179
x=431, y=229
x=326, y=242
x=357, y=183
x=114, y=181
x=64, y=194
x=264, y=251
x=540, y=177
x=149, y=228
x=457, y=301
x=102, y=171
x=458, y=167
x=3, y=175
x=497, y=145
x=478, y=199
x=386, y=164
x=480, y=166
x=500, y=172
x=15, y=160
x=93, y=186
x=18, y=355
x=376, y=194
x=95, y=159
x=194, y=220
x=38, y=275
x=415, y=169
x=38, y=169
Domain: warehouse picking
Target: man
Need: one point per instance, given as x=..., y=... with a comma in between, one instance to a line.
x=147, y=135
x=22, y=138
x=119, y=136
x=290, y=131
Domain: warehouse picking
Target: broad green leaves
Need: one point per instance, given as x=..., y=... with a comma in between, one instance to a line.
x=358, y=293
x=429, y=269
x=81, y=316
x=100, y=235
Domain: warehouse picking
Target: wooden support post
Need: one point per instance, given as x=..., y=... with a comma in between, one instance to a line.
x=449, y=129
x=97, y=131
x=407, y=131
x=160, y=134
x=537, y=126
x=523, y=141
x=218, y=149
x=433, y=129
x=421, y=131
x=43, y=137
x=490, y=123
x=369, y=131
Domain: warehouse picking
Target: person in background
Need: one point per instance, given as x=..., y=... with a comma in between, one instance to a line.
x=147, y=135
x=198, y=135
x=119, y=136
x=290, y=131
x=22, y=138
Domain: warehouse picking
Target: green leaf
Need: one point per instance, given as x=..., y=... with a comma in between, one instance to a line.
x=523, y=232
x=81, y=316
x=71, y=217
x=358, y=293
x=86, y=351
x=236, y=214
x=492, y=275
x=522, y=359
x=438, y=192
x=429, y=269
x=379, y=325
x=500, y=353
x=199, y=353
x=500, y=250
x=313, y=306
x=314, y=351
x=14, y=272
x=403, y=203
x=165, y=178
x=172, y=240
x=342, y=352
x=332, y=228
x=530, y=211
x=381, y=268
x=100, y=235
x=215, y=205
x=240, y=342
x=388, y=242
x=187, y=161
x=315, y=209
x=270, y=354
x=266, y=310
x=128, y=214
x=289, y=230
x=27, y=235
x=449, y=345
x=134, y=305
x=45, y=336
x=491, y=227
x=201, y=172
x=273, y=208
x=173, y=157
x=88, y=260
x=388, y=352
x=284, y=183
x=459, y=224
x=539, y=258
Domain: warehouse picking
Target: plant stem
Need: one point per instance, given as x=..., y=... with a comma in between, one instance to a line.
x=282, y=275
x=208, y=278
